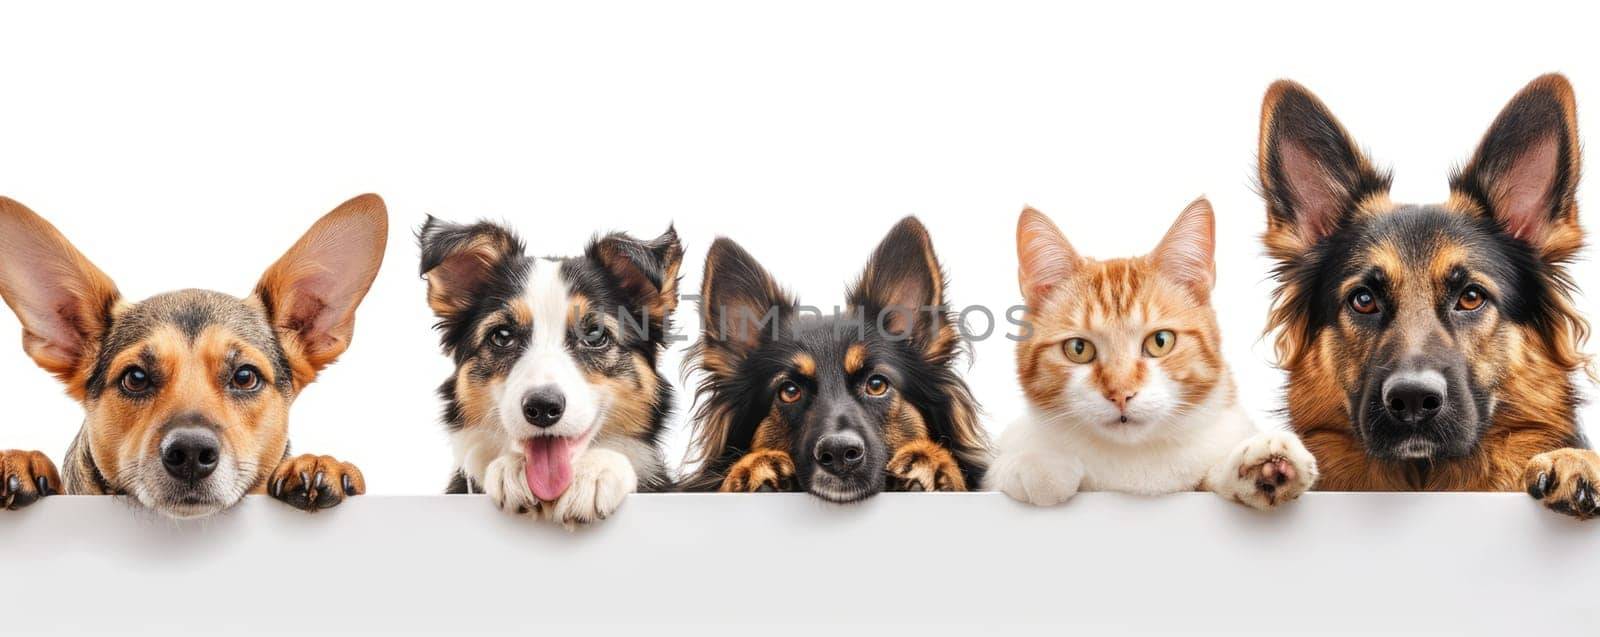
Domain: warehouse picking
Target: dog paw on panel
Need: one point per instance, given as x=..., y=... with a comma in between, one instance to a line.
x=505, y=482
x=312, y=483
x=601, y=479
x=925, y=466
x=768, y=470
x=1269, y=469
x=1566, y=481
x=1040, y=479
x=26, y=476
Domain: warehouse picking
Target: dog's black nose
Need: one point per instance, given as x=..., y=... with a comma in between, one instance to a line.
x=840, y=453
x=190, y=453
x=1414, y=397
x=543, y=406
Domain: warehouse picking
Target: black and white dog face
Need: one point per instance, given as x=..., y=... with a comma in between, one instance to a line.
x=555, y=357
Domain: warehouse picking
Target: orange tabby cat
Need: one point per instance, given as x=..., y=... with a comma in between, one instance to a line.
x=1125, y=380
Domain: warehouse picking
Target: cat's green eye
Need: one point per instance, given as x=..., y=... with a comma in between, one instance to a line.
x=1160, y=343
x=1078, y=350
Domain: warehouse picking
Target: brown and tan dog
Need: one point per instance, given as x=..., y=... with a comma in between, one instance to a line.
x=1432, y=347
x=186, y=394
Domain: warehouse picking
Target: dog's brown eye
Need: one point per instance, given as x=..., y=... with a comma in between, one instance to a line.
x=502, y=337
x=594, y=337
x=789, y=393
x=1079, y=350
x=135, y=381
x=1471, y=299
x=877, y=385
x=246, y=378
x=1363, y=301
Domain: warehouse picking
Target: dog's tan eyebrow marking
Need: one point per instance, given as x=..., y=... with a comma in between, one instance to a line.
x=520, y=312
x=804, y=364
x=855, y=358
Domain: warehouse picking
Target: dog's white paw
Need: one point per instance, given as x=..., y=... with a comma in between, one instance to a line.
x=505, y=482
x=1269, y=469
x=1040, y=479
x=601, y=479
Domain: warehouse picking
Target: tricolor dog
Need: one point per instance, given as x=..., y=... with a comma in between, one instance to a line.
x=556, y=407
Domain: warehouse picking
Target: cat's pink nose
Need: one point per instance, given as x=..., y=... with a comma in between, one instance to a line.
x=1121, y=398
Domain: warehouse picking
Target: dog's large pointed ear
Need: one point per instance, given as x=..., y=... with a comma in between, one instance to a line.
x=1045, y=259
x=1525, y=172
x=901, y=292
x=741, y=306
x=63, y=301
x=311, y=293
x=1187, y=254
x=459, y=261
x=646, y=270
x=1312, y=174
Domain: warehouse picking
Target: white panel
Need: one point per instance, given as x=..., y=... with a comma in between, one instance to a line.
x=1330, y=563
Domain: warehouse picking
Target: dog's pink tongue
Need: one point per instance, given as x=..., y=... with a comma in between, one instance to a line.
x=549, y=466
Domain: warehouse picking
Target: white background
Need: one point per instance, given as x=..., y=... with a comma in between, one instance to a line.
x=188, y=145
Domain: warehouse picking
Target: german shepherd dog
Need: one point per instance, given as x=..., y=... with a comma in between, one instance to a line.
x=1432, y=347
x=556, y=408
x=186, y=394
x=843, y=406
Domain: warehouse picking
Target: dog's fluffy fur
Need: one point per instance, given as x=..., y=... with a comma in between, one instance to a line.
x=1432, y=347
x=584, y=332
x=187, y=393
x=840, y=406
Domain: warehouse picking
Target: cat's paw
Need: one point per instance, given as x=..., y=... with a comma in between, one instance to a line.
x=925, y=466
x=1269, y=469
x=769, y=470
x=505, y=482
x=312, y=483
x=1040, y=479
x=1567, y=481
x=601, y=479
x=26, y=476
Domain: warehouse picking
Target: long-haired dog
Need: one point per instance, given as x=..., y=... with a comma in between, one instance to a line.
x=841, y=406
x=556, y=407
x=1432, y=347
x=186, y=394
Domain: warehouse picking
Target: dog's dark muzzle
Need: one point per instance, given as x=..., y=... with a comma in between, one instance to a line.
x=843, y=462
x=1418, y=411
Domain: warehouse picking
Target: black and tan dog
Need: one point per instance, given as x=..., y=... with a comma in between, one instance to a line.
x=841, y=406
x=186, y=394
x=556, y=407
x=1432, y=347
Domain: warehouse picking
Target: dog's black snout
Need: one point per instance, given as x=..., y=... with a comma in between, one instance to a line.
x=190, y=453
x=543, y=406
x=1414, y=398
x=841, y=453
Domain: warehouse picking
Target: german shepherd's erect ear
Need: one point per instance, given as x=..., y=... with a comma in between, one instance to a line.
x=741, y=303
x=1312, y=175
x=1525, y=171
x=311, y=293
x=63, y=301
x=902, y=293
